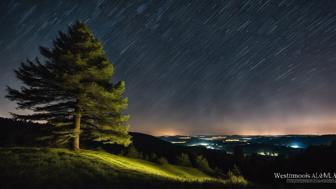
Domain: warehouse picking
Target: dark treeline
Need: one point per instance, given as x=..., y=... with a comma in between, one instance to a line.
x=23, y=133
x=258, y=169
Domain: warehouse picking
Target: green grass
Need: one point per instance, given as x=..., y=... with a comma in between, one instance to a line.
x=62, y=168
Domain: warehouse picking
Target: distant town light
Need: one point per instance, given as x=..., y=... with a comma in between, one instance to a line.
x=178, y=142
x=268, y=153
x=185, y=137
x=231, y=140
x=206, y=145
x=295, y=146
x=215, y=138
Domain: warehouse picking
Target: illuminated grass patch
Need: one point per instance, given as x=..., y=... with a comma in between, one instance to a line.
x=145, y=167
x=62, y=168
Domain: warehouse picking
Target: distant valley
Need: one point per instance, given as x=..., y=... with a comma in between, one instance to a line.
x=261, y=145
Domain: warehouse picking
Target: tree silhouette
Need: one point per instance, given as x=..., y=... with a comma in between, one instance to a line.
x=73, y=90
x=202, y=163
x=183, y=159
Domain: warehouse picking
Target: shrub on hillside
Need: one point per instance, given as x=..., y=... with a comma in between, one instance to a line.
x=184, y=160
x=202, y=163
x=153, y=157
x=162, y=161
x=235, y=177
x=132, y=152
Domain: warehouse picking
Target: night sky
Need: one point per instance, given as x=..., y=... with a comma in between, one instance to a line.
x=198, y=67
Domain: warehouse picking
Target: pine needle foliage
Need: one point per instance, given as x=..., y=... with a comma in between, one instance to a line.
x=73, y=90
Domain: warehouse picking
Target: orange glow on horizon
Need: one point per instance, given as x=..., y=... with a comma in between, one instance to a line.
x=167, y=132
x=294, y=125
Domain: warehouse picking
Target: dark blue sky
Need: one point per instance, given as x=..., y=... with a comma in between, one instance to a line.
x=210, y=67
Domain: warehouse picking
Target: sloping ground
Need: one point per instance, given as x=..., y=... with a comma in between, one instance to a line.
x=61, y=168
x=144, y=167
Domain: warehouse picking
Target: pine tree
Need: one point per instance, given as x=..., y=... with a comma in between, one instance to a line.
x=73, y=90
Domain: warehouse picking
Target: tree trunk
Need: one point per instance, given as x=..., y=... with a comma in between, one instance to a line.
x=76, y=131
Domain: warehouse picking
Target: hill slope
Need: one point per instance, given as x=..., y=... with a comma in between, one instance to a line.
x=61, y=168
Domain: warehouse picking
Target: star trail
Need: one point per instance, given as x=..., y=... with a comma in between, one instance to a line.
x=198, y=67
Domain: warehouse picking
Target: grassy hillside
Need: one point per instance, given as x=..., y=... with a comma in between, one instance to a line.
x=61, y=168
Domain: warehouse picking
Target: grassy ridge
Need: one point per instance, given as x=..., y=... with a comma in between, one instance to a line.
x=61, y=168
x=148, y=168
